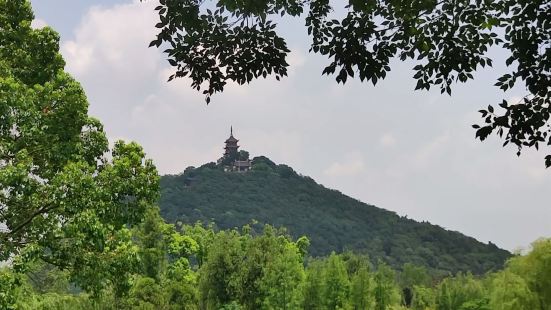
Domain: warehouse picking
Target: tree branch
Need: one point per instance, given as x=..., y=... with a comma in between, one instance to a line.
x=22, y=225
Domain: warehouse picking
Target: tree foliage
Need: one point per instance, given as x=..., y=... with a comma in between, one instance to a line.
x=283, y=279
x=65, y=197
x=215, y=42
x=337, y=284
x=535, y=269
x=249, y=269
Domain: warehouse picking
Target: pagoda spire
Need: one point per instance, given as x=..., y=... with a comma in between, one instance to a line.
x=231, y=130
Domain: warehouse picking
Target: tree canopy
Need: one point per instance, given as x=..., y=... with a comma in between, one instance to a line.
x=266, y=269
x=65, y=197
x=215, y=42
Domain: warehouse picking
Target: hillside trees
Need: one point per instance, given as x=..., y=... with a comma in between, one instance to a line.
x=66, y=198
x=216, y=42
x=278, y=195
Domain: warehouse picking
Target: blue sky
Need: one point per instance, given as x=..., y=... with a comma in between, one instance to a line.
x=410, y=152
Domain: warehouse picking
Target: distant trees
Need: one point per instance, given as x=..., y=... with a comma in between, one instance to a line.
x=256, y=272
x=246, y=269
x=276, y=194
x=461, y=292
x=165, y=276
x=243, y=155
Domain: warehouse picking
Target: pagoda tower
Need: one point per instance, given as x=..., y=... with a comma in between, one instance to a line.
x=231, y=159
x=231, y=145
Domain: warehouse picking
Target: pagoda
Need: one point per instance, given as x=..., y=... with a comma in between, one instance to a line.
x=231, y=145
x=231, y=159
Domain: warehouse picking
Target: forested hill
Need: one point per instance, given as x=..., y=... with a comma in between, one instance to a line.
x=277, y=195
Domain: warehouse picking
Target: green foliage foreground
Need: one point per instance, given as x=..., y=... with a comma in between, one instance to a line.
x=66, y=198
x=197, y=267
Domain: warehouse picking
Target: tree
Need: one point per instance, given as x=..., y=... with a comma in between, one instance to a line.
x=386, y=292
x=313, y=287
x=410, y=277
x=243, y=155
x=460, y=292
x=146, y=294
x=218, y=276
x=510, y=291
x=152, y=238
x=423, y=298
x=361, y=295
x=203, y=237
x=44, y=278
x=337, y=285
x=214, y=42
x=62, y=200
x=535, y=268
x=282, y=278
x=8, y=284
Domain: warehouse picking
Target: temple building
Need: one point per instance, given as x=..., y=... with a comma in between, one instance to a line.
x=233, y=160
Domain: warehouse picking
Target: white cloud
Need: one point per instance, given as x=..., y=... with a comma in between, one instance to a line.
x=515, y=100
x=296, y=60
x=351, y=166
x=282, y=146
x=388, y=140
x=431, y=151
x=38, y=23
x=114, y=38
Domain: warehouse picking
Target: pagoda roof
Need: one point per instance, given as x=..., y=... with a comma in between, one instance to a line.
x=231, y=139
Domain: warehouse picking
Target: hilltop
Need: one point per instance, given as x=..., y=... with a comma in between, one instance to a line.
x=277, y=195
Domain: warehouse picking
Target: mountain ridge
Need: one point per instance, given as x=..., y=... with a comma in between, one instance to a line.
x=277, y=195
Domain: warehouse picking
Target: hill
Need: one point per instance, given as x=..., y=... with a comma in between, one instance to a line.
x=277, y=195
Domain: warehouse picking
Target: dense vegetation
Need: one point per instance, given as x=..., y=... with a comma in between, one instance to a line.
x=66, y=197
x=277, y=195
x=79, y=228
x=196, y=267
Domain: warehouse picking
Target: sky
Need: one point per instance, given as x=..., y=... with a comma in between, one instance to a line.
x=407, y=151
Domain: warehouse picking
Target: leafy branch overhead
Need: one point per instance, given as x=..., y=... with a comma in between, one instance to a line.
x=213, y=42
